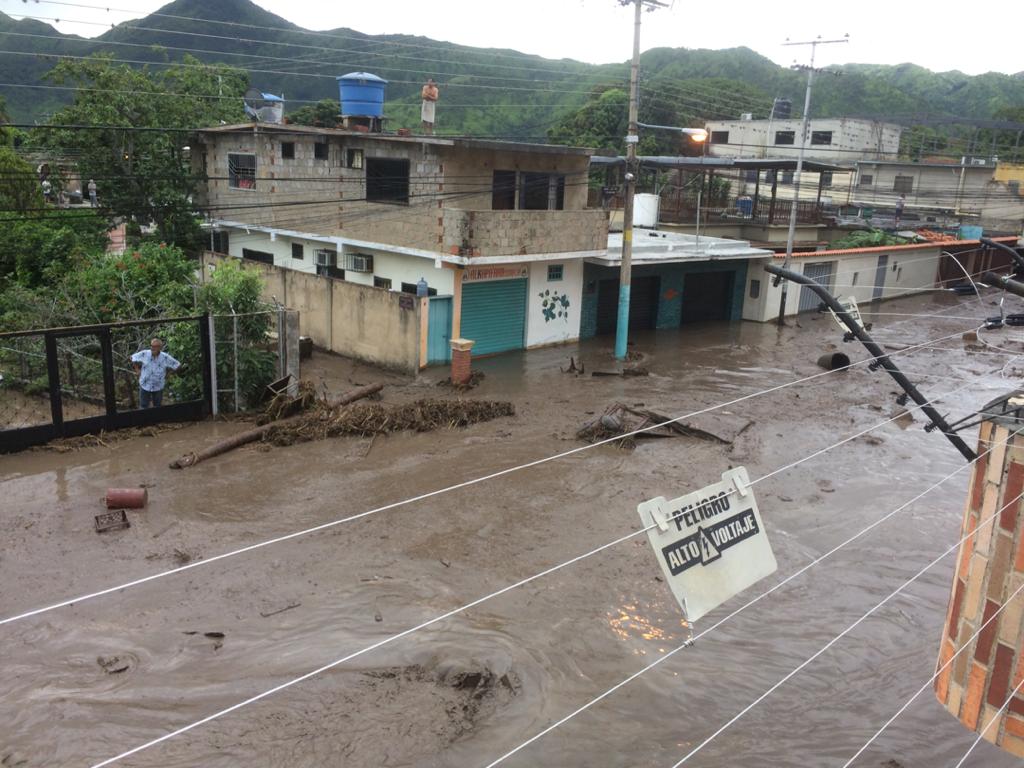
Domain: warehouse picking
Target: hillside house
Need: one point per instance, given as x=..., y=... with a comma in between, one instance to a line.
x=494, y=229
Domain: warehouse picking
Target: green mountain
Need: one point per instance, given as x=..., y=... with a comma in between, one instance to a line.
x=484, y=91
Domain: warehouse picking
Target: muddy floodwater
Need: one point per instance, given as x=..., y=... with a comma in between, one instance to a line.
x=84, y=683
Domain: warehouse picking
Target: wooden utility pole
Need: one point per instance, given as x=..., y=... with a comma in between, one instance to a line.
x=800, y=160
x=629, y=187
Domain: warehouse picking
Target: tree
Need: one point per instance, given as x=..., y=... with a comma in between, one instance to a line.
x=19, y=191
x=131, y=132
x=324, y=114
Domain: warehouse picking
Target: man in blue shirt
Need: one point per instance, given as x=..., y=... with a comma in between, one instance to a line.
x=152, y=367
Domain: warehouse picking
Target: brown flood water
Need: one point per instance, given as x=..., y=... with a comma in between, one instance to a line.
x=84, y=683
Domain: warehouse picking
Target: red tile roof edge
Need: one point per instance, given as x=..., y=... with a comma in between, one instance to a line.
x=890, y=248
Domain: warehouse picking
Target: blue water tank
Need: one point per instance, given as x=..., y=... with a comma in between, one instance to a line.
x=361, y=94
x=745, y=206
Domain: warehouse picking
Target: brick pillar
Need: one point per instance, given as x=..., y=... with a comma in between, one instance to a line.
x=461, y=360
x=990, y=568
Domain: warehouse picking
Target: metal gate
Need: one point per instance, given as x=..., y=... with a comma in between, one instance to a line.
x=821, y=273
x=879, y=287
x=439, y=330
x=65, y=382
x=494, y=315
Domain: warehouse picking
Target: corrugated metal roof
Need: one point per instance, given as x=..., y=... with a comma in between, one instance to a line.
x=1011, y=241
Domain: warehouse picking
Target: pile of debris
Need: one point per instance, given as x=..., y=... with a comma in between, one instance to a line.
x=312, y=418
x=633, y=424
x=368, y=419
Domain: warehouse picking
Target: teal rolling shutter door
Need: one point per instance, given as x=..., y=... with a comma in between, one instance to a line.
x=494, y=315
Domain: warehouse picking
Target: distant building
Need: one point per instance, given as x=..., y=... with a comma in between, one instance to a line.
x=838, y=140
x=976, y=190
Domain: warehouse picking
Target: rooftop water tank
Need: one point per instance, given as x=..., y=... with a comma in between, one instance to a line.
x=645, y=210
x=361, y=94
x=782, y=109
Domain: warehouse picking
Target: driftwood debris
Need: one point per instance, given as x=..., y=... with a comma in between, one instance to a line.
x=252, y=435
x=621, y=420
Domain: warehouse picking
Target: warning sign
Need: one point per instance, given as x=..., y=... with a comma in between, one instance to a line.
x=849, y=304
x=711, y=544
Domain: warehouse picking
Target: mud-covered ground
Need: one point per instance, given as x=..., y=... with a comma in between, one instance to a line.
x=84, y=683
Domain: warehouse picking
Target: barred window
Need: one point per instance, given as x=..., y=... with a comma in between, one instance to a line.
x=242, y=171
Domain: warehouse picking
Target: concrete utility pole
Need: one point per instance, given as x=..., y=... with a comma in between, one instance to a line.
x=629, y=188
x=800, y=159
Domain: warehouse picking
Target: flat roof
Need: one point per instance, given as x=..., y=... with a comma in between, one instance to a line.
x=741, y=163
x=1011, y=241
x=655, y=246
x=910, y=164
x=467, y=142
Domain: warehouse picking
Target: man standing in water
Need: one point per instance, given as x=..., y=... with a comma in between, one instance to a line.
x=152, y=366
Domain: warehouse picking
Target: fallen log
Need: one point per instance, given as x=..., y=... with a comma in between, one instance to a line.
x=252, y=435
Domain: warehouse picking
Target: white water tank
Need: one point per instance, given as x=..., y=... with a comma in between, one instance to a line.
x=645, y=211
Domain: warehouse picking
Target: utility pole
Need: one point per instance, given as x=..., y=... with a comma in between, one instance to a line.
x=800, y=160
x=629, y=187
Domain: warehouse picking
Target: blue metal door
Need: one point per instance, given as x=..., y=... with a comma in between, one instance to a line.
x=494, y=315
x=439, y=329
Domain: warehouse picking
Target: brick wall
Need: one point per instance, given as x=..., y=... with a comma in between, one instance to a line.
x=987, y=665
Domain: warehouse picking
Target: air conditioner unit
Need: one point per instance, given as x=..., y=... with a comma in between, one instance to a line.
x=325, y=258
x=362, y=263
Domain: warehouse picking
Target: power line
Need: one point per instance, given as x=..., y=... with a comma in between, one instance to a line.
x=851, y=627
x=438, y=492
x=927, y=683
x=435, y=620
x=728, y=617
x=989, y=724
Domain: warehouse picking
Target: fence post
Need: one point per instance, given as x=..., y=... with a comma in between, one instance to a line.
x=292, y=354
x=234, y=319
x=282, y=359
x=53, y=376
x=211, y=366
x=109, y=383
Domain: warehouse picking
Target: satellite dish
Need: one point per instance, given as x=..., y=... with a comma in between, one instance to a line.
x=254, y=98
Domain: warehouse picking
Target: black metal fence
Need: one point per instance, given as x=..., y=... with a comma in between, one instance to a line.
x=64, y=382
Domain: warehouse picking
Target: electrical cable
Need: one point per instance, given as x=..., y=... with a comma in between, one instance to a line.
x=446, y=615
x=981, y=734
x=669, y=654
x=796, y=670
x=927, y=683
x=423, y=496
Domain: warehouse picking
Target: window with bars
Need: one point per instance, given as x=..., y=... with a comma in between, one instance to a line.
x=298, y=252
x=866, y=180
x=382, y=282
x=719, y=137
x=287, y=150
x=821, y=138
x=242, y=171
x=321, y=150
x=785, y=137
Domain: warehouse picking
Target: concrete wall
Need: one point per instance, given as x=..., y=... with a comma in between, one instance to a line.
x=672, y=289
x=332, y=195
x=502, y=233
x=908, y=271
x=542, y=329
x=353, y=320
x=850, y=138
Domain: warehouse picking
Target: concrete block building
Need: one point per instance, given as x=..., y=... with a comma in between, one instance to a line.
x=498, y=231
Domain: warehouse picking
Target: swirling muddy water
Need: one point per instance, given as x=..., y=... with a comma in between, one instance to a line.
x=84, y=683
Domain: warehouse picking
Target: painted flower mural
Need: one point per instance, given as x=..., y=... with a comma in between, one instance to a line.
x=554, y=306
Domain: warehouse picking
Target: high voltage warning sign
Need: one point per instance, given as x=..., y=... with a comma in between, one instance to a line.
x=711, y=544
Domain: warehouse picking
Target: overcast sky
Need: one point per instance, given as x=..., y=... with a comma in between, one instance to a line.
x=600, y=31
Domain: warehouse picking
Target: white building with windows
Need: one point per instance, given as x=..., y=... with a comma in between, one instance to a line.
x=837, y=140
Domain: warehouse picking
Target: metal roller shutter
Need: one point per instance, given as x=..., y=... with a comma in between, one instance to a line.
x=494, y=315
